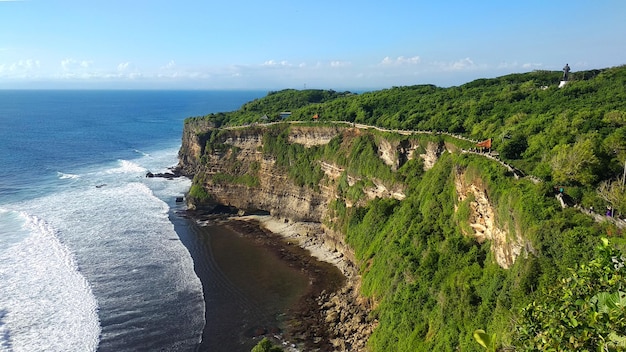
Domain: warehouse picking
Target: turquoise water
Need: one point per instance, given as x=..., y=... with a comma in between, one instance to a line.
x=89, y=257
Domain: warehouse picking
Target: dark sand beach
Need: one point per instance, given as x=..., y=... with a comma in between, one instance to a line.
x=256, y=284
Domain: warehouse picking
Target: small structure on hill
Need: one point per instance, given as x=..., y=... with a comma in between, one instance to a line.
x=566, y=70
x=285, y=114
x=486, y=144
x=565, y=79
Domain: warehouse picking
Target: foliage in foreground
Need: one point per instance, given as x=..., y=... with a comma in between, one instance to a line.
x=583, y=312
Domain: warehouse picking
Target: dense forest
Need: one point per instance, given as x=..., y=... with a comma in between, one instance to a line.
x=438, y=288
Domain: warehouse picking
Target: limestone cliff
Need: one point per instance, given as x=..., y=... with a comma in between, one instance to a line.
x=231, y=166
x=482, y=220
x=234, y=168
x=273, y=191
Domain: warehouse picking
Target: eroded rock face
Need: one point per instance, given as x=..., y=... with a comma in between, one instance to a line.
x=388, y=153
x=193, y=143
x=309, y=137
x=431, y=155
x=505, y=246
x=276, y=192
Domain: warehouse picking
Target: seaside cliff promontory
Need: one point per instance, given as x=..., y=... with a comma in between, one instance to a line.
x=437, y=233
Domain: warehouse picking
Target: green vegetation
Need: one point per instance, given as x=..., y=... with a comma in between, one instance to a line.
x=584, y=312
x=271, y=106
x=485, y=340
x=197, y=191
x=434, y=285
x=266, y=345
x=296, y=160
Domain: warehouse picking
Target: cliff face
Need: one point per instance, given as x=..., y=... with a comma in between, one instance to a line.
x=482, y=220
x=274, y=191
x=234, y=168
x=210, y=153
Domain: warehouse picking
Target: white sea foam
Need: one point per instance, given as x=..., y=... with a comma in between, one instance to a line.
x=11, y=228
x=121, y=238
x=64, y=176
x=121, y=235
x=46, y=304
x=125, y=167
x=140, y=152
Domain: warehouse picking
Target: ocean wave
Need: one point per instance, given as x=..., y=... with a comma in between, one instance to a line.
x=64, y=176
x=127, y=167
x=11, y=228
x=120, y=235
x=46, y=305
x=140, y=152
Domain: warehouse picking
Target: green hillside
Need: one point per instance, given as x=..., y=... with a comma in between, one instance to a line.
x=435, y=286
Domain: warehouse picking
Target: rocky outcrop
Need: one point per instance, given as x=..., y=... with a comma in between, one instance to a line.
x=431, y=154
x=505, y=246
x=343, y=313
x=274, y=191
x=193, y=142
x=309, y=137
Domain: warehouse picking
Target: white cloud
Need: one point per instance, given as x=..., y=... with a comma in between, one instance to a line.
x=532, y=65
x=71, y=64
x=274, y=63
x=508, y=65
x=338, y=63
x=24, y=65
x=21, y=69
x=84, y=70
x=401, y=60
x=465, y=64
x=516, y=65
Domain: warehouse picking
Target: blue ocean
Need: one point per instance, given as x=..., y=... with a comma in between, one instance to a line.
x=89, y=256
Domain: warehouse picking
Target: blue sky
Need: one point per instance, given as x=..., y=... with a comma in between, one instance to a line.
x=275, y=44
